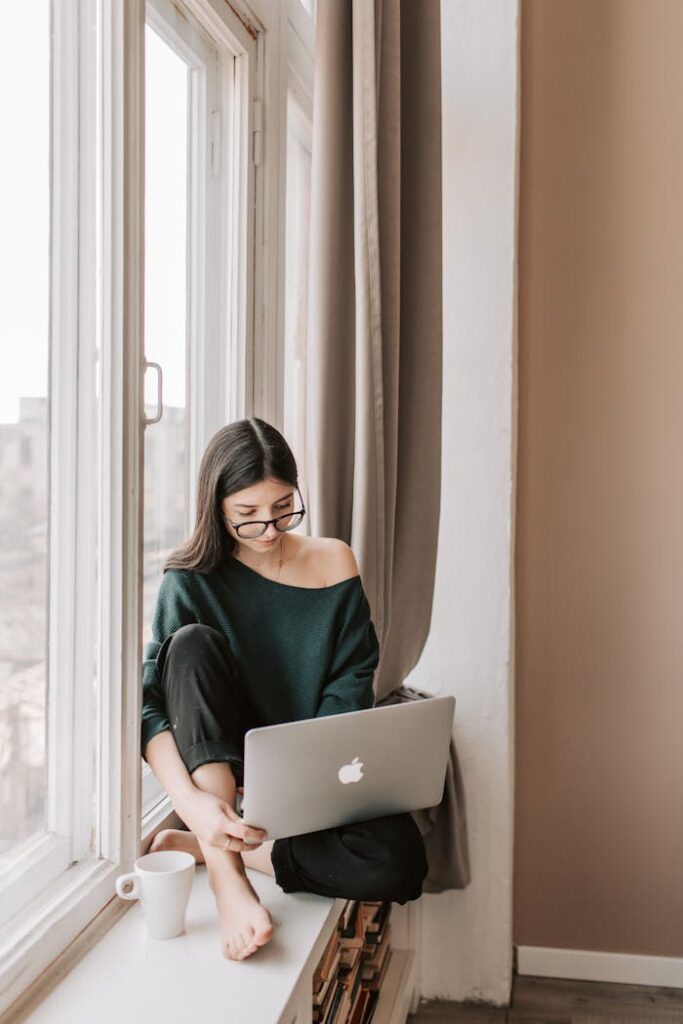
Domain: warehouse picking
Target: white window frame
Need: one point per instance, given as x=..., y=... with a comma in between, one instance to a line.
x=39, y=860
x=289, y=48
x=297, y=115
x=276, y=58
x=80, y=904
x=222, y=54
x=300, y=52
x=77, y=891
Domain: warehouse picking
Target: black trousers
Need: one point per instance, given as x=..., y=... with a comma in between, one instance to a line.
x=210, y=713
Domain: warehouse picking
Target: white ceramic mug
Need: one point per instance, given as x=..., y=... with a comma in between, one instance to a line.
x=162, y=882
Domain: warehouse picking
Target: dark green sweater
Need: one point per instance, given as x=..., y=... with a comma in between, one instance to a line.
x=303, y=652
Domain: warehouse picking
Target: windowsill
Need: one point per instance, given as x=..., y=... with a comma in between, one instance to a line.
x=119, y=973
x=160, y=816
x=129, y=976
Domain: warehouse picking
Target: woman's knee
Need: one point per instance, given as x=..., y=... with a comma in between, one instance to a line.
x=195, y=645
x=198, y=659
x=194, y=637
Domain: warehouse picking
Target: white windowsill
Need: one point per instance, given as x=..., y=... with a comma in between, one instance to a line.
x=127, y=976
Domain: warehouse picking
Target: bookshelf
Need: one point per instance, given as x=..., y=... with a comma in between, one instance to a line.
x=348, y=979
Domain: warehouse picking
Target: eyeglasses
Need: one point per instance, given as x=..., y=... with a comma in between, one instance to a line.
x=257, y=527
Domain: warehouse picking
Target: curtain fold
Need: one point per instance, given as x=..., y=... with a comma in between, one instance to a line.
x=373, y=416
x=443, y=828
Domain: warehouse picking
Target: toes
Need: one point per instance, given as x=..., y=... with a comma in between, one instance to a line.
x=262, y=934
x=247, y=942
x=239, y=947
x=249, y=948
x=250, y=943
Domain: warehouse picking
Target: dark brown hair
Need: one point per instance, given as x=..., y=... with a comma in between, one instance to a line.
x=238, y=455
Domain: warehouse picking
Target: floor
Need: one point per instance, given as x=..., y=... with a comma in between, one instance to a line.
x=556, y=1001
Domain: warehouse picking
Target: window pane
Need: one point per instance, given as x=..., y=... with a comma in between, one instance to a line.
x=310, y=6
x=296, y=283
x=24, y=305
x=166, y=190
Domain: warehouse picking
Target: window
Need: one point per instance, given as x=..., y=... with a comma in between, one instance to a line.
x=183, y=162
x=296, y=279
x=299, y=114
x=168, y=84
x=24, y=300
x=66, y=688
x=309, y=7
x=49, y=412
x=197, y=94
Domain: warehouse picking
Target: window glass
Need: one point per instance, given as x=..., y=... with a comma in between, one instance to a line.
x=166, y=493
x=24, y=334
x=296, y=284
x=192, y=220
x=309, y=6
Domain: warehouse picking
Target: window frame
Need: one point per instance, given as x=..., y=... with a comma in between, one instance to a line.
x=188, y=41
x=282, y=37
x=297, y=115
x=37, y=861
x=84, y=198
x=80, y=905
x=220, y=229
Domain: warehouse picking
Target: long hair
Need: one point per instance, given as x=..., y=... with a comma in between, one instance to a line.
x=238, y=455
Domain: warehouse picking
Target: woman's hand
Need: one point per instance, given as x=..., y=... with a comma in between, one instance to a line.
x=214, y=821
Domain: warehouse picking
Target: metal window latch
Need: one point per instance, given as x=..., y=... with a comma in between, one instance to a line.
x=160, y=404
x=257, y=133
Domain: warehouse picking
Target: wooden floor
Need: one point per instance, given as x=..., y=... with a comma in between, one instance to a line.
x=556, y=1001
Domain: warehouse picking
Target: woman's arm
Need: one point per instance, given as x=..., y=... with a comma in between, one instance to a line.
x=211, y=818
x=349, y=686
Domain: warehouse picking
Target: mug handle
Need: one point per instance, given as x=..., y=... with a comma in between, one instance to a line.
x=130, y=879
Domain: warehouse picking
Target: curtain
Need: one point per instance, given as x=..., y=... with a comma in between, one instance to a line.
x=373, y=392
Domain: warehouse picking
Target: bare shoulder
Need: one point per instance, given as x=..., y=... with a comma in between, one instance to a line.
x=334, y=559
x=340, y=560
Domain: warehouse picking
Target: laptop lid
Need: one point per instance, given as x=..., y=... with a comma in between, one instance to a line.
x=323, y=772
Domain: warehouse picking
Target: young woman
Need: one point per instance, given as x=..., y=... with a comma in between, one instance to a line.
x=255, y=625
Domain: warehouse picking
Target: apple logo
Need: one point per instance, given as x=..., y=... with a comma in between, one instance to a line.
x=351, y=772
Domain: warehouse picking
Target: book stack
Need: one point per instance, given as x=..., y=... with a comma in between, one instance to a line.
x=347, y=981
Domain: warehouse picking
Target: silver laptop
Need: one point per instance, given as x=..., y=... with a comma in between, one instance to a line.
x=323, y=772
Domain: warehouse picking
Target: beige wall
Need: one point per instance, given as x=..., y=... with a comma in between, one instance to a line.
x=599, y=556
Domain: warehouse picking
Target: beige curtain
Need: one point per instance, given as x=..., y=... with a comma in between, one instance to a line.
x=373, y=416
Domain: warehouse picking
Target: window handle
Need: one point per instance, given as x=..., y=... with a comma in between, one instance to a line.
x=160, y=403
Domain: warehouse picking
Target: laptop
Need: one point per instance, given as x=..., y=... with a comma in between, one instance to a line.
x=324, y=772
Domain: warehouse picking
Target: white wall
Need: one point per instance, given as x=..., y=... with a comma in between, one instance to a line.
x=467, y=935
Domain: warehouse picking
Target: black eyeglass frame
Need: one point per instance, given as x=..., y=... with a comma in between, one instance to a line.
x=265, y=523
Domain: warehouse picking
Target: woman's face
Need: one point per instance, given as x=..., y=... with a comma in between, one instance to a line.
x=265, y=500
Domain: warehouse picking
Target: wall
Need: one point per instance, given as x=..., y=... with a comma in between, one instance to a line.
x=599, y=564
x=467, y=935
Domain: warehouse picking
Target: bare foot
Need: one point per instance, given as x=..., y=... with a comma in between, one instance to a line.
x=177, y=839
x=180, y=839
x=246, y=925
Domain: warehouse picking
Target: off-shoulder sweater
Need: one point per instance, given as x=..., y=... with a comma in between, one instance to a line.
x=303, y=652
